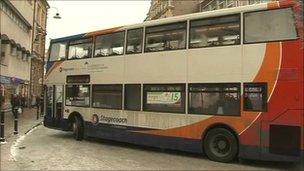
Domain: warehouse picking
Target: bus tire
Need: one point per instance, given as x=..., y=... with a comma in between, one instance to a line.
x=220, y=145
x=78, y=130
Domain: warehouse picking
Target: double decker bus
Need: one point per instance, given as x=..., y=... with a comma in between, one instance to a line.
x=227, y=83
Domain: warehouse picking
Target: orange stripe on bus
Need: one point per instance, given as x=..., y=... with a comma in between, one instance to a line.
x=267, y=73
x=273, y=5
x=106, y=31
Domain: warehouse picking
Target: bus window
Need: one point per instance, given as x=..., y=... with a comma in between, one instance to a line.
x=166, y=37
x=109, y=44
x=216, y=99
x=218, y=31
x=134, y=41
x=164, y=98
x=77, y=95
x=132, y=97
x=273, y=25
x=58, y=51
x=255, y=97
x=80, y=49
x=107, y=96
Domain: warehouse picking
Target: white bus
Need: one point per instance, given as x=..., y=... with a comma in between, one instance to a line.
x=213, y=82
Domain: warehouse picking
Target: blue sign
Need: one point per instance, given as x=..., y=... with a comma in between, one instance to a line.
x=5, y=80
x=10, y=80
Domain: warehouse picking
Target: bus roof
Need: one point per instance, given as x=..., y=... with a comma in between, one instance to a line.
x=215, y=13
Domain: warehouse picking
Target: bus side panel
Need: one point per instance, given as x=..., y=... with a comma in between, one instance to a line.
x=130, y=135
x=281, y=128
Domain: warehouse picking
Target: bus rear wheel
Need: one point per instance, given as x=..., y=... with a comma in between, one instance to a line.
x=78, y=130
x=220, y=145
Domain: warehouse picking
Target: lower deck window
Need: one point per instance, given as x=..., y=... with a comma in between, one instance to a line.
x=107, y=96
x=77, y=95
x=217, y=99
x=133, y=97
x=255, y=97
x=164, y=98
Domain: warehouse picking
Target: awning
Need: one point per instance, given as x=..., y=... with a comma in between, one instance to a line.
x=11, y=80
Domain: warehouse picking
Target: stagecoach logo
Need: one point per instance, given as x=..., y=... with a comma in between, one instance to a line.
x=107, y=119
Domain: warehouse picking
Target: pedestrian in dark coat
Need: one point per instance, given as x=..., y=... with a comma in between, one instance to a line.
x=16, y=103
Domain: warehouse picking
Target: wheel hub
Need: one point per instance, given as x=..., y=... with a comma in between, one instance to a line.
x=220, y=146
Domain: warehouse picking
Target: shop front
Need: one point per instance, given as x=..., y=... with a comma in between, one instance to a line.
x=13, y=85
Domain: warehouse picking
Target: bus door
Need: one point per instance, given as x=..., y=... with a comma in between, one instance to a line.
x=49, y=101
x=58, y=104
x=54, y=105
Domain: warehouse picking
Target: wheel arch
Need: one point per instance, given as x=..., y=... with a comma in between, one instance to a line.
x=72, y=116
x=220, y=125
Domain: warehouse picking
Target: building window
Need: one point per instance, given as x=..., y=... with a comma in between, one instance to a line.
x=164, y=98
x=109, y=44
x=58, y=51
x=79, y=49
x=107, y=96
x=255, y=97
x=231, y=3
x=166, y=37
x=132, y=97
x=273, y=25
x=214, y=99
x=77, y=95
x=134, y=41
x=218, y=31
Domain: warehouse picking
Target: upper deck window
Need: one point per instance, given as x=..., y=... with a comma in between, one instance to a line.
x=134, y=41
x=58, y=51
x=166, y=37
x=273, y=25
x=110, y=44
x=79, y=49
x=219, y=31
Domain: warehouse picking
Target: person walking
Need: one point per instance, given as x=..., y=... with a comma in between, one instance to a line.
x=16, y=104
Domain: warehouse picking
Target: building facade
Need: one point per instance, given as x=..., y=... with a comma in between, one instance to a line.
x=17, y=30
x=209, y=5
x=38, y=48
x=168, y=8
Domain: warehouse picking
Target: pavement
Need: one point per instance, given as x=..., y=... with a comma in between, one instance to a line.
x=26, y=122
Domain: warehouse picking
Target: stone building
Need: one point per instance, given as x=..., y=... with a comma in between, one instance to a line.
x=209, y=5
x=168, y=8
x=17, y=24
x=38, y=47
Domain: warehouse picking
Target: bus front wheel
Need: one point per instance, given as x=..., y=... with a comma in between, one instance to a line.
x=220, y=145
x=78, y=129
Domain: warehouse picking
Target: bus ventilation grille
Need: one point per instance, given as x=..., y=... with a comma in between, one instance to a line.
x=285, y=140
